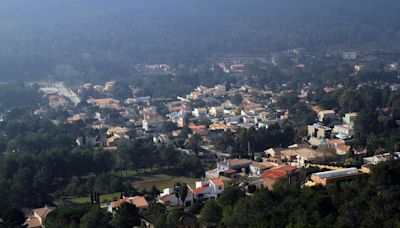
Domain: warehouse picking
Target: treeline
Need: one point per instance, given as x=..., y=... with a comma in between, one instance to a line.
x=18, y=98
x=74, y=39
x=318, y=72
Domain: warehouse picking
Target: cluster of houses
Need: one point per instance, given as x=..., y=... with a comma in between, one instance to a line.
x=331, y=132
x=216, y=111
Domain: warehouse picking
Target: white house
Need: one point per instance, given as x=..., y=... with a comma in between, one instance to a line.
x=349, y=118
x=344, y=130
x=210, y=189
x=169, y=199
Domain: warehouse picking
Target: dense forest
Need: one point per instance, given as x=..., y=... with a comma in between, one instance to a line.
x=105, y=39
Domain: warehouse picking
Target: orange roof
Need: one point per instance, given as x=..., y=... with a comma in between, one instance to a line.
x=278, y=172
x=200, y=189
x=218, y=182
x=285, y=167
x=343, y=148
x=138, y=201
x=197, y=127
x=273, y=174
x=335, y=141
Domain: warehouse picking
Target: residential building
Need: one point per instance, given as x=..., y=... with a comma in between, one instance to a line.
x=325, y=178
x=39, y=215
x=343, y=131
x=317, y=133
x=273, y=175
x=377, y=158
x=300, y=155
x=139, y=201
x=210, y=189
x=326, y=115
x=233, y=164
x=169, y=199
x=257, y=168
x=349, y=118
x=216, y=111
x=198, y=112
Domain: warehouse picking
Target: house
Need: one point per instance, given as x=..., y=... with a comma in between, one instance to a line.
x=117, y=130
x=153, y=124
x=161, y=139
x=139, y=201
x=317, y=133
x=339, y=145
x=198, y=112
x=216, y=111
x=169, y=199
x=349, y=118
x=36, y=220
x=326, y=115
x=343, y=131
x=210, y=189
x=117, y=136
x=77, y=117
x=273, y=175
x=233, y=164
x=300, y=155
x=325, y=178
x=273, y=152
x=257, y=168
x=377, y=158
x=219, y=126
x=104, y=103
x=198, y=129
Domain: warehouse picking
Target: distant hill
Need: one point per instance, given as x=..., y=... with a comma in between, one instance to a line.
x=102, y=38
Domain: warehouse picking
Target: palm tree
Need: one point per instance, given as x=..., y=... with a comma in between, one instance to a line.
x=181, y=192
x=177, y=191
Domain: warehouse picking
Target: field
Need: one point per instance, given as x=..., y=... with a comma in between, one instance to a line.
x=143, y=180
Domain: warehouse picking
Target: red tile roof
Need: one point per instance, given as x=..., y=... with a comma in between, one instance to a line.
x=278, y=172
x=200, y=189
x=138, y=201
x=217, y=182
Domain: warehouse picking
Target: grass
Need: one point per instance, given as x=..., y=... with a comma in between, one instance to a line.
x=145, y=179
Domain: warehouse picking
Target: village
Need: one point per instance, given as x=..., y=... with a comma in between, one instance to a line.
x=192, y=124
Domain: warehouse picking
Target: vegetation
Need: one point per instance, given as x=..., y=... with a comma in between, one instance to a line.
x=116, y=36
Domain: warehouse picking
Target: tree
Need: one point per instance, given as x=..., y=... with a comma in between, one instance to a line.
x=181, y=191
x=230, y=196
x=237, y=99
x=12, y=217
x=174, y=217
x=210, y=214
x=126, y=216
x=96, y=217
x=350, y=101
x=194, y=143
